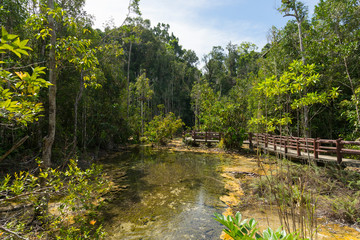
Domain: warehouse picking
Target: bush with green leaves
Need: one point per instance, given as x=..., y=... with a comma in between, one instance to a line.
x=19, y=90
x=234, y=138
x=239, y=229
x=73, y=200
x=162, y=128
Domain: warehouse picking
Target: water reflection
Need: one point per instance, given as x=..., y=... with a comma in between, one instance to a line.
x=164, y=195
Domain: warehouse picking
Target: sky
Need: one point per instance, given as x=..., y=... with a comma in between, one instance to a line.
x=201, y=24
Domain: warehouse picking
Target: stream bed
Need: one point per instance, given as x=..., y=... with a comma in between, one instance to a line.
x=160, y=194
x=170, y=195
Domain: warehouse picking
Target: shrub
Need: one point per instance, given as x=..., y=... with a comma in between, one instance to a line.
x=73, y=197
x=347, y=208
x=234, y=138
x=162, y=128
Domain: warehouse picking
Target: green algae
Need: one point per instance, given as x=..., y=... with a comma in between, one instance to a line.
x=167, y=195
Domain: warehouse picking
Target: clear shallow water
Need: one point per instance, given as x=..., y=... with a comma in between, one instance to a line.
x=164, y=195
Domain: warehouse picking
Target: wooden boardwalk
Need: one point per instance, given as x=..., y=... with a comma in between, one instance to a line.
x=318, y=150
x=206, y=137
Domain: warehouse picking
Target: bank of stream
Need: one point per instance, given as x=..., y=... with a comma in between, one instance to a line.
x=173, y=194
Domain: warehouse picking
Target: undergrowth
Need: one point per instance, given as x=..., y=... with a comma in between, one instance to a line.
x=302, y=193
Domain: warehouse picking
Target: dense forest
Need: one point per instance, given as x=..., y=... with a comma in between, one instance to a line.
x=70, y=91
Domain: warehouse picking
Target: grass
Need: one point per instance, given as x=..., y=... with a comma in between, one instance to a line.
x=303, y=193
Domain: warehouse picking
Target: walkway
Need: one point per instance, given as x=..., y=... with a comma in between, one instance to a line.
x=318, y=150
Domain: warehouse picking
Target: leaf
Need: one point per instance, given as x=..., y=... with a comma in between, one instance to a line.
x=17, y=53
x=7, y=103
x=22, y=52
x=7, y=47
x=3, y=32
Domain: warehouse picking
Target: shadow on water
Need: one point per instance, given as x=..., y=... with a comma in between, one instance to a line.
x=164, y=195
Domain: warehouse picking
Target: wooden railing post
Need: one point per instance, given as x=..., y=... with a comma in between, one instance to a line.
x=206, y=136
x=286, y=144
x=338, y=150
x=280, y=142
x=266, y=140
x=316, y=147
x=274, y=141
x=194, y=135
x=298, y=147
x=250, y=141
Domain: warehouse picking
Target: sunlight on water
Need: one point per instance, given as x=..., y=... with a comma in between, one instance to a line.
x=164, y=195
x=161, y=194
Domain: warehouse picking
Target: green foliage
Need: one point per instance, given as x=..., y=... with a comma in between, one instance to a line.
x=347, y=208
x=19, y=90
x=239, y=229
x=206, y=106
x=142, y=88
x=75, y=196
x=292, y=88
x=162, y=128
x=234, y=138
x=225, y=114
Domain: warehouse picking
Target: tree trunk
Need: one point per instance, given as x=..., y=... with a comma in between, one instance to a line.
x=128, y=81
x=84, y=138
x=49, y=139
x=301, y=42
x=42, y=209
x=306, y=108
x=142, y=118
x=299, y=20
x=76, y=104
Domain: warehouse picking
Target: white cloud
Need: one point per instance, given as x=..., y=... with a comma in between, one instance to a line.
x=194, y=31
x=189, y=22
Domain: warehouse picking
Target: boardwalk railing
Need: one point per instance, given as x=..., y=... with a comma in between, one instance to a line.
x=206, y=137
x=313, y=146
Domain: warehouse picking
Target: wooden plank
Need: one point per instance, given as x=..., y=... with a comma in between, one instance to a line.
x=351, y=151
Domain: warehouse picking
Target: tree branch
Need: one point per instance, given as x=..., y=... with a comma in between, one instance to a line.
x=289, y=15
x=16, y=235
x=33, y=64
x=16, y=145
x=16, y=208
x=38, y=191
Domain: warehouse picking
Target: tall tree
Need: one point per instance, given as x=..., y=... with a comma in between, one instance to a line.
x=49, y=139
x=335, y=35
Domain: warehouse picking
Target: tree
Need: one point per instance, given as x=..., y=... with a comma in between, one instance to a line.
x=49, y=139
x=296, y=9
x=215, y=69
x=290, y=89
x=299, y=12
x=143, y=93
x=19, y=90
x=336, y=35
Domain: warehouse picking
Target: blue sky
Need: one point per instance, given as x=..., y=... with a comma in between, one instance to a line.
x=202, y=24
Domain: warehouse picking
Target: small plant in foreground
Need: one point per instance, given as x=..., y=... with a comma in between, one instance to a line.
x=239, y=229
x=74, y=199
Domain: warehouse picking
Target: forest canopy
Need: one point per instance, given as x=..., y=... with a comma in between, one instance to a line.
x=83, y=83
x=70, y=91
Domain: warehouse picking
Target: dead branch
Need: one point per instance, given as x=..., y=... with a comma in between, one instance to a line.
x=16, y=235
x=16, y=145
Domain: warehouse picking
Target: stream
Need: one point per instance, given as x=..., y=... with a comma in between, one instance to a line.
x=164, y=195
x=170, y=195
